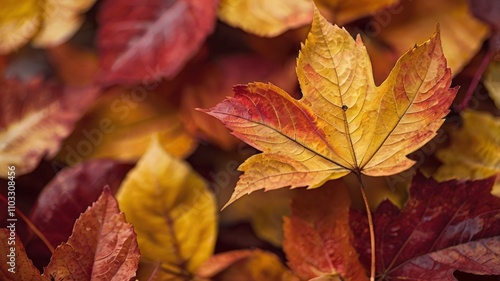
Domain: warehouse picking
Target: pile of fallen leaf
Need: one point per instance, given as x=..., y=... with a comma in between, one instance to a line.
x=121, y=169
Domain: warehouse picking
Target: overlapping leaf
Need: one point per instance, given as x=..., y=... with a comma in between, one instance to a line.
x=344, y=122
x=266, y=18
x=344, y=11
x=318, y=237
x=474, y=151
x=142, y=43
x=50, y=22
x=215, y=85
x=36, y=117
x=442, y=228
x=20, y=268
x=103, y=246
x=119, y=125
x=67, y=196
x=412, y=21
x=172, y=212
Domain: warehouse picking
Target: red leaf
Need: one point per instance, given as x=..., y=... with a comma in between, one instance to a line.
x=68, y=195
x=20, y=267
x=442, y=228
x=141, y=42
x=103, y=246
x=317, y=235
x=36, y=117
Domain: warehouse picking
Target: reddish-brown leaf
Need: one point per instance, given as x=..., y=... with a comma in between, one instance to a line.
x=443, y=227
x=216, y=84
x=317, y=235
x=103, y=246
x=142, y=42
x=35, y=118
x=19, y=267
x=68, y=195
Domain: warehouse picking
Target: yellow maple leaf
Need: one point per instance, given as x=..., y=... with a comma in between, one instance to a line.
x=162, y=197
x=474, y=151
x=343, y=122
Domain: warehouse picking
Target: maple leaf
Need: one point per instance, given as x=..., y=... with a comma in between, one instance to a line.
x=68, y=195
x=103, y=246
x=317, y=236
x=265, y=18
x=162, y=197
x=442, y=228
x=49, y=22
x=473, y=153
x=47, y=111
x=20, y=268
x=142, y=43
x=343, y=122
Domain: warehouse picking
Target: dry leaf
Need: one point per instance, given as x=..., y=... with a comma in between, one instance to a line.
x=491, y=81
x=61, y=19
x=120, y=125
x=255, y=265
x=172, y=211
x=344, y=122
x=345, y=11
x=266, y=18
x=413, y=21
x=103, y=246
x=141, y=43
x=15, y=265
x=65, y=197
x=36, y=117
x=318, y=235
x=474, y=151
x=215, y=85
x=443, y=227
x=51, y=22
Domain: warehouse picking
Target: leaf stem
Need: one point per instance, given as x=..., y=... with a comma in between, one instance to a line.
x=475, y=80
x=32, y=227
x=370, y=226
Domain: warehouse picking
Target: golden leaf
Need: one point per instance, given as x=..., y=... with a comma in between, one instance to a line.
x=474, y=151
x=343, y=122
x=172, y=211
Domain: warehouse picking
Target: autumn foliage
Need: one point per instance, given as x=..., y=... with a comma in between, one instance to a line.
x=250, y=140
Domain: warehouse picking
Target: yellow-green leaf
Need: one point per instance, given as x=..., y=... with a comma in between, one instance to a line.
x=172, y=211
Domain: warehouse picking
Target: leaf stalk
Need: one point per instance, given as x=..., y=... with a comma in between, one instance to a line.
x=370, y=226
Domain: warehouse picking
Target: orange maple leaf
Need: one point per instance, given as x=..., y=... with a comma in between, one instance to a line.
x=343, y=123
